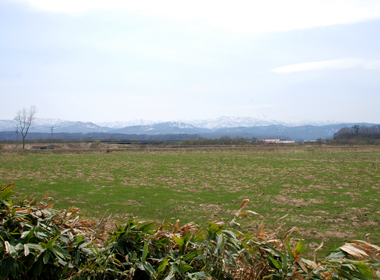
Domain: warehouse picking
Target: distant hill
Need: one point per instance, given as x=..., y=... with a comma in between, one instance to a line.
x=57, y=125
x=306, y=132
x=213, y=128
x=11, y=135
x=162, y=128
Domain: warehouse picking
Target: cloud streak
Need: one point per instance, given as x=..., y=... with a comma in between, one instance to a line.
x=328, y=64
x=240, y=15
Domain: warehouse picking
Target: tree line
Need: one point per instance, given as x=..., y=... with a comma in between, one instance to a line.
x=358, y=132
x=357, y=135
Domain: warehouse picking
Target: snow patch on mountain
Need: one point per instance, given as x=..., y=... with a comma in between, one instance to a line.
x=47, y=122
x=180, y=125
x=121, y=124
x=257, y=120
x=45, y=125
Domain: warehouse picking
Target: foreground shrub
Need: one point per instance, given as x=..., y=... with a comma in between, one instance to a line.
x=39, y=242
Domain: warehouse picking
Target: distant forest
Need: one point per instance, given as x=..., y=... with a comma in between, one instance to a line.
x=358, y=135
x=358, y=132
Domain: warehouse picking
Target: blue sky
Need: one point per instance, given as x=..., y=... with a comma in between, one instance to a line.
x=167, y=60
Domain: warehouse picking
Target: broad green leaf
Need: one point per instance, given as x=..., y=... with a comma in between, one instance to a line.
x=134, y=257
x=186, y=267
x=77, y=256
x=285, y=262
x=198, y=236
x=200, y=275
x=290, y=252
x=62, y=251
x=300, y=248
x=365, y=270
x=35, y=247
x=31, y=233
x=46, y=256
x=6, y=264
x=19, y=247
x=219, y=245
x=149, y=268
x=229, y=234
x=7, y=193
x=10, y=249
x=65, y=269
x=170, y=276
x=345, y=275
x=26, y=250
x=79, y=238
x=247, y=257
x=24, y=234
x=178, y=240
x=4, y=202
x=186, y=238
x=51, y=242
x=275, y=262
x=145, y=252
x=146, y=228
x=162, y=265
x=57, y=252
x=193, y=254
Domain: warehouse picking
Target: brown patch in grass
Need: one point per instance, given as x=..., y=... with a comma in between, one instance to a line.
x=298, y=202
x=129, y=202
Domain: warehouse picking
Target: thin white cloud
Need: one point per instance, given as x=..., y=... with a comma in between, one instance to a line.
x=372, y=64
x=328, y=64
x=239, y=15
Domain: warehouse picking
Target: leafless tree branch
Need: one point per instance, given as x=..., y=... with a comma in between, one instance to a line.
x=25, y=119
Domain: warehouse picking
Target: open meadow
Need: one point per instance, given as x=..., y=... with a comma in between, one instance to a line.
x=330, y=193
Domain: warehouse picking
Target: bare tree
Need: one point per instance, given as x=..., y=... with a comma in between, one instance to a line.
x=25, y=119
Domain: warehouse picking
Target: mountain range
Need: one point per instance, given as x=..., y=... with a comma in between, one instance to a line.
x=258, y=127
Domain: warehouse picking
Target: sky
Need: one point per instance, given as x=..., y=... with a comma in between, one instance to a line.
x=167, y=60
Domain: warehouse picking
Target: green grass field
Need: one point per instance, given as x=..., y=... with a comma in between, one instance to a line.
x=331, y=193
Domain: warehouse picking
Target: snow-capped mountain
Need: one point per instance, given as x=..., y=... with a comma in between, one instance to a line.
x=223, y=122
x=258, y=120
x=121, y=124
x=254, y=126
x=47, y=122
x=161, y=128
x=58, y=125
x=8, y=125
x=44, y=124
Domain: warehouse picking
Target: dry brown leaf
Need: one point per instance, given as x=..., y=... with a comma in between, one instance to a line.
x=50, y=206
x=297, y=276
x=366, y=237
x=253, y=213
x=244, y=203
x=283, y=217
x=260, y=229
x=289, y=232
x=176, y=227
x=361, y=249
x=315, y=252
x=353, y=251
x=302, y=265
